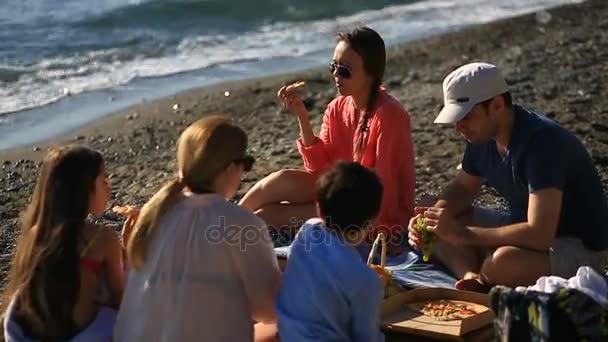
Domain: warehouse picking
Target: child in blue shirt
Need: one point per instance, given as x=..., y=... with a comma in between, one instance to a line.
x=328, y=292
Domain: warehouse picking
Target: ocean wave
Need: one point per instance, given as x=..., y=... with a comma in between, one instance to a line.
x=10, y=74
x=222, y=14
x=145, y=54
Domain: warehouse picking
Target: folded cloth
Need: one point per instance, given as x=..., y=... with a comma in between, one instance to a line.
x=100, y=330
x=566, y=315
x=586, y=280
x=408, y=269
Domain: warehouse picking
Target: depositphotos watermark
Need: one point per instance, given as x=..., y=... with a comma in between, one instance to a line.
x=247, y=235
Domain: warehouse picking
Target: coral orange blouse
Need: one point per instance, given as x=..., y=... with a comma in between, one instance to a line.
x=389, y=151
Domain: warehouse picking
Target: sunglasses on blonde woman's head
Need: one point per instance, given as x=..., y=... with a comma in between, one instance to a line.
x=340, y=70
x=246, y=161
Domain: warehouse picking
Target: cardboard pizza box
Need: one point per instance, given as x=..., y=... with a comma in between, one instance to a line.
x=400, y=313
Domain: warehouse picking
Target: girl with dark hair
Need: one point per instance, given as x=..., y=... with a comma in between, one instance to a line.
x=364, y=124
x=63, y=266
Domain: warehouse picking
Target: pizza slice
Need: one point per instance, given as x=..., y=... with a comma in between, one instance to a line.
x=445, y=310
x=295, y=86
x=124, y=210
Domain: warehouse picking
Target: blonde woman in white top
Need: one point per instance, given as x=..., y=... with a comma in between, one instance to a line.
x=202, y=268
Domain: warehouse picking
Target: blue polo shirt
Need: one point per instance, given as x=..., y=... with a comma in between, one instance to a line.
x=328, y=292
x=541, y=155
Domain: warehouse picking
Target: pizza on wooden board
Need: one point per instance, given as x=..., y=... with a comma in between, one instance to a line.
x=445, y=310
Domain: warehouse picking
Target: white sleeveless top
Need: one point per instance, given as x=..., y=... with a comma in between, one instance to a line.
x=210, y=271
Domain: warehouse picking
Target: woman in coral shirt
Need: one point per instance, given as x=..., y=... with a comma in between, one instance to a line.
x=364, y=124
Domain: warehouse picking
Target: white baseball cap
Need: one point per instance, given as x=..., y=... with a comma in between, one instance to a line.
x=467, y=86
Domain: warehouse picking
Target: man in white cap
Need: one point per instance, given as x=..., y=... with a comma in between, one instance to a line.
x=558, y=214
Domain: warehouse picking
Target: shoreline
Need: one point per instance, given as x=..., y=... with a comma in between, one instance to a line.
x=74, y=113
x=156, y=109
x=400, y=25
x=559, y=68
x=67, y=115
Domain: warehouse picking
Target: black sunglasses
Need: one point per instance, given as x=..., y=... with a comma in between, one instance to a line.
x=340, y=70
x=247, y=162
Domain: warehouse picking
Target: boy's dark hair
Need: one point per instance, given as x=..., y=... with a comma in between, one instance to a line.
x=349, y=197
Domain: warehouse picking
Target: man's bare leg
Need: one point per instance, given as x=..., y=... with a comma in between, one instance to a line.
x=514, y=266
x=464, y=263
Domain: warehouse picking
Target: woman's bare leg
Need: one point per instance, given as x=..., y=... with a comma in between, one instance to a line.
x=293, y=186
x=283, y=199
x=266, y=332
x=286, y=215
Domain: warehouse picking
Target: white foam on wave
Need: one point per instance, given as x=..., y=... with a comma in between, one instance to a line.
x=57, y=11
x=53, y=79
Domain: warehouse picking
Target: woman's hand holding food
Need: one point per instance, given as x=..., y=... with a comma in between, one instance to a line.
x=292, y=100
x=131, y=213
